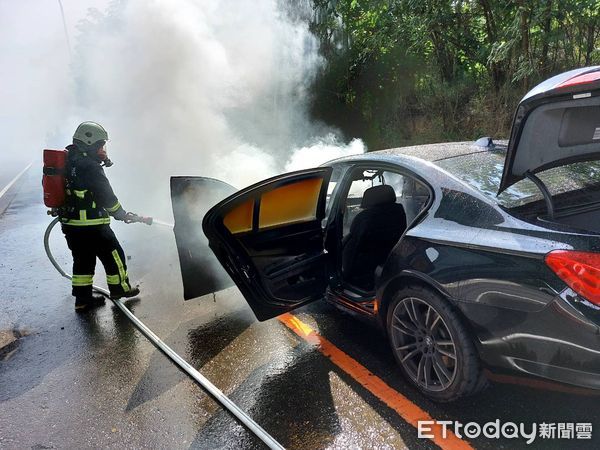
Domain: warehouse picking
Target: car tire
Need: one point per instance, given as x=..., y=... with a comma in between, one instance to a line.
x=432, y=346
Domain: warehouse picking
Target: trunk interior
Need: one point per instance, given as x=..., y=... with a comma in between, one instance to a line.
x=579, y=210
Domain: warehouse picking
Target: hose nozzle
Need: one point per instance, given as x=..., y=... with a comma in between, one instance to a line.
x=134, y=218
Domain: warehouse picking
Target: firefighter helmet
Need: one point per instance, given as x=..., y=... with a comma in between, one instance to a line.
x=89, y=133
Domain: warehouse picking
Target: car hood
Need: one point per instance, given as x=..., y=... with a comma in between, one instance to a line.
x=556, y=123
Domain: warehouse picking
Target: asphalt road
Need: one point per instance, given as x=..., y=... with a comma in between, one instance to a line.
x=9, y=169
x=313, y=379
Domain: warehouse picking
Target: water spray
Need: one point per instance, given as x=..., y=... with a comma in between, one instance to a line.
x=162, y=224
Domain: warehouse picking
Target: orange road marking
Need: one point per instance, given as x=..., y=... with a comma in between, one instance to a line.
x=410, y=412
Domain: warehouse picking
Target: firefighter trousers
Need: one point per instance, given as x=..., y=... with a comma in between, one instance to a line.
x=88, y=242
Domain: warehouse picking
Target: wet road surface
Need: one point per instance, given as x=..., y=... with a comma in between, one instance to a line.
x=314, y=379
x=9, y=171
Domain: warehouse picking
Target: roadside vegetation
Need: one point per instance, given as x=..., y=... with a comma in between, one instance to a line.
x=399, y=72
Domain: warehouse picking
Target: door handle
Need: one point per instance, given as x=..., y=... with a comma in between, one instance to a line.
x=247, y=271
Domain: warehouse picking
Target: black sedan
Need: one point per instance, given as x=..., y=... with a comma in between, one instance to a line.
x=469, y=256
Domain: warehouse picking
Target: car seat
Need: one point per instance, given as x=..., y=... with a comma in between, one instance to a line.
x=373, y=234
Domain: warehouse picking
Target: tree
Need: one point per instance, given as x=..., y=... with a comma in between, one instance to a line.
x=402, y=71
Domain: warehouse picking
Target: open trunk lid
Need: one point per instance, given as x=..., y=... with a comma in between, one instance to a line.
x=556, y=123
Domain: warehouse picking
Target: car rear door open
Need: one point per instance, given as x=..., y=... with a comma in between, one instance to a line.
x=269, y=238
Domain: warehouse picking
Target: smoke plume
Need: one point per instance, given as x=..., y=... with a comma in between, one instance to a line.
x=212, y=88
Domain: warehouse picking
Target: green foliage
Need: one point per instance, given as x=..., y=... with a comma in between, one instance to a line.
x=404, y=71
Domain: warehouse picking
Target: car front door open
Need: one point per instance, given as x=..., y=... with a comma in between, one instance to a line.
x=191, y=198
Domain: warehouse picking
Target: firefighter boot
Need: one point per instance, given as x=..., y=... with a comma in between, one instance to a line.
x=134, y=291
x=85, y=303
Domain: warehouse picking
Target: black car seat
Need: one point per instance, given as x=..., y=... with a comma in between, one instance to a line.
x=373, y=234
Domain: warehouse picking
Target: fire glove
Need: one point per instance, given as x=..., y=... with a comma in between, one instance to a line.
x=120, y=214
x=131, y=218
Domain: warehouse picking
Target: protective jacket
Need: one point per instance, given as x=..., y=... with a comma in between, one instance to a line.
x=90, y=199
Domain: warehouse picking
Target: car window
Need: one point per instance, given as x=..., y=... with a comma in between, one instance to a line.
x=411, y=193
x=292, y=203
x=375, y=177
x=483, y=171
x=295, y=202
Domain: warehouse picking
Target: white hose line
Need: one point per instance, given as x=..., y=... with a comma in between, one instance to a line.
x=182, y=363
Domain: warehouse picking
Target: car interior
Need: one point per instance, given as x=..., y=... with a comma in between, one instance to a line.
x=378, y=207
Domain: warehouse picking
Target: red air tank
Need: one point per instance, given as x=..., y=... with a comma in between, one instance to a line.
x=53, y=181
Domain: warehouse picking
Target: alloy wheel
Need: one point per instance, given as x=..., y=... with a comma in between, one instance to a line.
x=424, y=345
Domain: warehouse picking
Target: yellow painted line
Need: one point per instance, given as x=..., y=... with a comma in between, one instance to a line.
x=405, y=408
x=14, y=180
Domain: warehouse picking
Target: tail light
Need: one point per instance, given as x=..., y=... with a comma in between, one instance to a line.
x=584, y=78
x=580, y=270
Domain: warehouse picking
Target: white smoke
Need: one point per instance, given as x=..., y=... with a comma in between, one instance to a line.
x=323, y=150
x=35, y=88
x=214, y=88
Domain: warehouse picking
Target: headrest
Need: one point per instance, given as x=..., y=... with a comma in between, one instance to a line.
x=378, y=195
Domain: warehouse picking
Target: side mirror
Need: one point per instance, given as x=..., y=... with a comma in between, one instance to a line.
x=485, y=142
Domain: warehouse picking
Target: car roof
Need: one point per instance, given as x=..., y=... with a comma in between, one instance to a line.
x=426, y=152
x=423, y=161
x=435, y=152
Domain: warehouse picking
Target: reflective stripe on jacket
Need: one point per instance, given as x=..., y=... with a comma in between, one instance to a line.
x=90, y=199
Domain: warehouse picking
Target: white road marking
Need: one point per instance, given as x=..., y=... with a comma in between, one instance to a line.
x=14, y=180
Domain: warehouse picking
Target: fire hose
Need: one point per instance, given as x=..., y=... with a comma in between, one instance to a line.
x=216, y=393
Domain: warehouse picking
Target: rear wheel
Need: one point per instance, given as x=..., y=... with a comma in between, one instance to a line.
x=432, y=346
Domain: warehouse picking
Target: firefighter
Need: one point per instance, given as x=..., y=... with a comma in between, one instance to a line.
x=85, y=218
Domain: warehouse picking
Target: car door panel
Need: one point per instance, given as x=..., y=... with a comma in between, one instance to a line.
x=191, y=198
x=270, y=240
x=287, y=260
